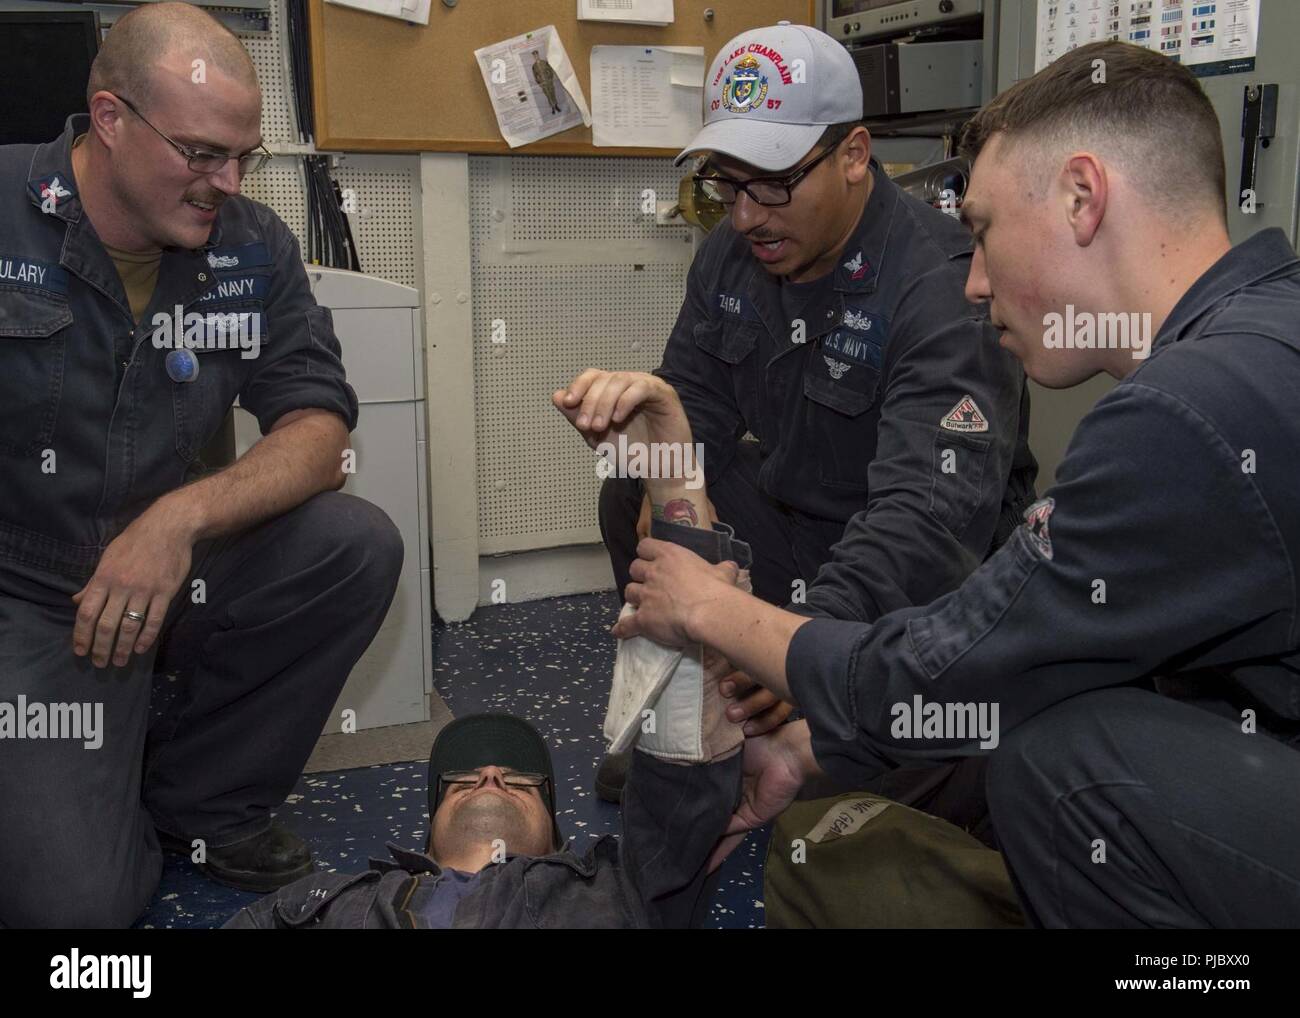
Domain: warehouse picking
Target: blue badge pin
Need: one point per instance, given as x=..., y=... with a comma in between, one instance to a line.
x=182, y=366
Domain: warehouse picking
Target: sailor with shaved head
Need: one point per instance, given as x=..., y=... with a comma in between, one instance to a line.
x=136, y=276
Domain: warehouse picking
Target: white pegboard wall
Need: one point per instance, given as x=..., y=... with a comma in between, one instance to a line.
x=521, y=199
x=269, y=51
x=279, y=185
x=387, y=188
x=537, y=483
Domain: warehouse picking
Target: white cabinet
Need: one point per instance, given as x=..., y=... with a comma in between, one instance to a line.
x=378, y=325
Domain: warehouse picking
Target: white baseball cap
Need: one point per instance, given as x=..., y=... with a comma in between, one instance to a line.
x=772, y=92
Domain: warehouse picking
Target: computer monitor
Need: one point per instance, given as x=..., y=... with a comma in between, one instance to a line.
x=46, y=56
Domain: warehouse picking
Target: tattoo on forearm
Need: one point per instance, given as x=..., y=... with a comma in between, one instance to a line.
x=677, y=510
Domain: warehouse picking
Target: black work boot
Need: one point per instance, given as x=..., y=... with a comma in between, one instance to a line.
x=265, y=862
x=611, y=774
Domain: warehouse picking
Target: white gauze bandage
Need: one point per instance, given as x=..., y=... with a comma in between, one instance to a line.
x=660, y=702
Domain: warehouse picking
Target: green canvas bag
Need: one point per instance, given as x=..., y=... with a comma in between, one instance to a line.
x=857, y=860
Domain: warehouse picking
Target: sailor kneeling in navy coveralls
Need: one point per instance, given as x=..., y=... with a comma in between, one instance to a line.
x=861, y=430
x=1139, y=635
x=132, y=214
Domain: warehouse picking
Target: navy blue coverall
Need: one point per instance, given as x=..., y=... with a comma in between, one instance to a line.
x=891, y=451
x=290, y=605
x=1139, y=636
x=890, y=428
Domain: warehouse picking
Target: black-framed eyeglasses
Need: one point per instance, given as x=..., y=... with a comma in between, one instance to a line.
x=768, y=191
x=207, y=162
x=515, y=779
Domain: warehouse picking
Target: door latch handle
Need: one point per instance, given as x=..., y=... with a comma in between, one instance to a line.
x=1258, y=124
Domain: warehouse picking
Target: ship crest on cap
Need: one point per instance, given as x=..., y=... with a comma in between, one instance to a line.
x=745, y=87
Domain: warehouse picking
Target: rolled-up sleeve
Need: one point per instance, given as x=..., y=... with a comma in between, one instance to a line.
x=300, y=364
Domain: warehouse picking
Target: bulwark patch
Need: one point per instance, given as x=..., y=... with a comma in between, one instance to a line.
x=965, y=416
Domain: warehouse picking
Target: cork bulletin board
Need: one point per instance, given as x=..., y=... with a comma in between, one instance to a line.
x=382, y=85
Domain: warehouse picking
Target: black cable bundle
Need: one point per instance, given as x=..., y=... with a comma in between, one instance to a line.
x=329, y=236
x=300, y=61
x=313, y=217
x=349, y=244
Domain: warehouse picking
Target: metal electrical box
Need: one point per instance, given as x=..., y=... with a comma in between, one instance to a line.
x=851, y=20
x=919, y=77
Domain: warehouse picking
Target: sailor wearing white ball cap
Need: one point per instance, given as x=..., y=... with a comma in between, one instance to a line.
x=825, y=318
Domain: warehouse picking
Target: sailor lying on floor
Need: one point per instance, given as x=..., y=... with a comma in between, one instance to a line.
x=494, y=856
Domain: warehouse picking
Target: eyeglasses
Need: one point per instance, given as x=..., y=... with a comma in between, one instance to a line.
x=207, y=162
x=515, y=779
x=769, y=191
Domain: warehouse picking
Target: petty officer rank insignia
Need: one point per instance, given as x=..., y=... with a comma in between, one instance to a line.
x=857, y=267
x=965, y=416
x=50, y=192
x=1036, y=520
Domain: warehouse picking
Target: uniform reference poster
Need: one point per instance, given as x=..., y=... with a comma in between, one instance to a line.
x=647, y=95
x=1209, y=36
x=535, y=92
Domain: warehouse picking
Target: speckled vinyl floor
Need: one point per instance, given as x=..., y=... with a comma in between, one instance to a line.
x=549, y=661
